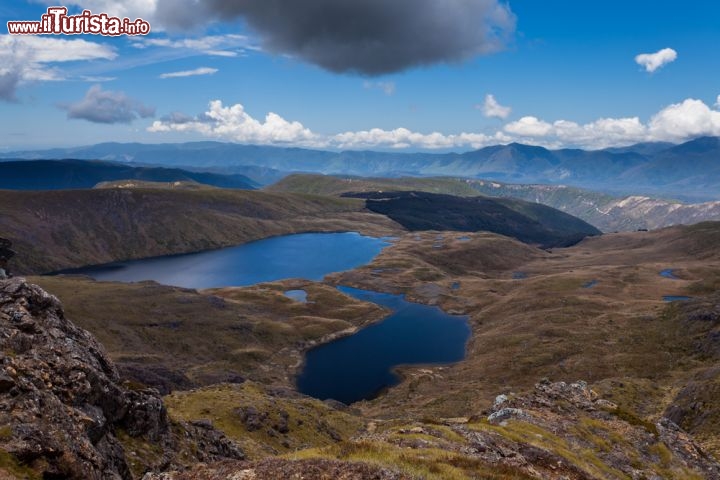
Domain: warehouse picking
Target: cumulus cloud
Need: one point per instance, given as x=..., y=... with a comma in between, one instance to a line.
x=104, y=106
x=652, y=61
x=388, y=88
x=601, y=133
x=717, y=102
x=691, y=118
x=35, y=58
x=370, y=37
x=190, y=73
x=234, y=123
x=678, y=122
x=675, y=123
x=529, y=127
x=491, y=108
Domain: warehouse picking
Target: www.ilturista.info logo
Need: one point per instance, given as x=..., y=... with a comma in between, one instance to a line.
x=57, y=22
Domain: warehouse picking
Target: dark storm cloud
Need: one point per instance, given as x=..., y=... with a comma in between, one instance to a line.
x=370, y=37
x=8, y=84
x=104, y=106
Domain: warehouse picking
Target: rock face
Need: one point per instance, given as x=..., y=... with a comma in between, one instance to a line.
x=5, y=255
x=62, y=407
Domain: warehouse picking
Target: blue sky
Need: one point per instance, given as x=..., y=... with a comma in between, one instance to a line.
x=560, y=73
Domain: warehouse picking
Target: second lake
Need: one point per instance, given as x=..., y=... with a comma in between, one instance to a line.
x=359, y=367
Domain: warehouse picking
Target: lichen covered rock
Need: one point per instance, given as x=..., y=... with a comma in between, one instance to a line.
x=62, y=406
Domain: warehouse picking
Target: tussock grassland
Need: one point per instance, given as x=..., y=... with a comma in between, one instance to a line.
x=54, y=230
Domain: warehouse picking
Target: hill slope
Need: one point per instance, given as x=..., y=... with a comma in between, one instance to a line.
x=605, y=212
x=72, y=174
x=530, y=223
x=54, y=230
x=636, y=352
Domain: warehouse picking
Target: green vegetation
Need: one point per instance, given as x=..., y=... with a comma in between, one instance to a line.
x=12, y=469
x=262, y=422
x=337, y=185
x=426, y=463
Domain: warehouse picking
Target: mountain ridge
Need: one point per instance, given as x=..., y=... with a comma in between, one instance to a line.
x=640, y=169
x=79, y=174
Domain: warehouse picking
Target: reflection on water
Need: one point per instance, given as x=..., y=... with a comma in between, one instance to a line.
x=310, y=256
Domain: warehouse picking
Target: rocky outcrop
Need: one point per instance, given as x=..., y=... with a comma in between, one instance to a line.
x=285, y=469
x=559, y=431
x=585, y=431
x=63, y=409
x=5, y=255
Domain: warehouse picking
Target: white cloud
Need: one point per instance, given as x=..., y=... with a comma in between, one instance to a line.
x=678, y=122
x=717, y=102
x=403, y=138
x=234, y=123
x=132, y=9
x=35, y=58
x=388, y=88
x=529, y=127
x=190, y=73
x=691, y=118
x=230, y=45
x=491, y=108
x=674, y=123
x=652, y=61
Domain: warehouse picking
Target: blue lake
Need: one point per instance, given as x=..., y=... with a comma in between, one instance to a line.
x=309, y=255
x=676, y=298
x=350, y=369
x=669, y=273
x=360, y=366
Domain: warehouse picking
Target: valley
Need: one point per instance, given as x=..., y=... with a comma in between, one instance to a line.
x=574, y=358
x=359, y=240
x=636, y=351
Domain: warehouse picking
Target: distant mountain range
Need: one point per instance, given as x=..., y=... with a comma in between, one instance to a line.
x=73, y=174
x=689, y=171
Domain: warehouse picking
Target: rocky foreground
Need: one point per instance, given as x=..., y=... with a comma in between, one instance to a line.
x=64, y=413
